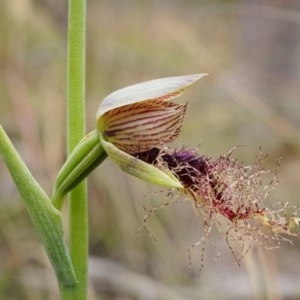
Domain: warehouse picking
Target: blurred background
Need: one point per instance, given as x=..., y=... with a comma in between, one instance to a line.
x=251, y=50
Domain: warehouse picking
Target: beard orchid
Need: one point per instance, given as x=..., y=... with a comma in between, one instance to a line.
x=133, y=128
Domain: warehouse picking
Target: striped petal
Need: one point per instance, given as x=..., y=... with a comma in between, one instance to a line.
x=143, y=125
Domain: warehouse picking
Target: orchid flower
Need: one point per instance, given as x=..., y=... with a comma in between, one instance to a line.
x=139, y=118
x=133, y=119
x=134, y=126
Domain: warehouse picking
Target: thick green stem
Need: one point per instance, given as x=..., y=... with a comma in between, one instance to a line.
x=78, y=205
x=45, y=217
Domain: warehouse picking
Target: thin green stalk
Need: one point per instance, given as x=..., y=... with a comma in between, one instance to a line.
x=78, y=208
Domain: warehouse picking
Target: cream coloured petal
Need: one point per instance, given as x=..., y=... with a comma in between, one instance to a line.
x=143, y=125
x=161, y=89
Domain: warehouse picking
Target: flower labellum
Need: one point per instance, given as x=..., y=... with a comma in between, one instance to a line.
x=230, y=196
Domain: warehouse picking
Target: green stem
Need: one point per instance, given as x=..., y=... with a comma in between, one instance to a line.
x=78, y=205
x=45, y=217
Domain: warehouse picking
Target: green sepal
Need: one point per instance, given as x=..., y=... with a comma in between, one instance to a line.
x=140, y=169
